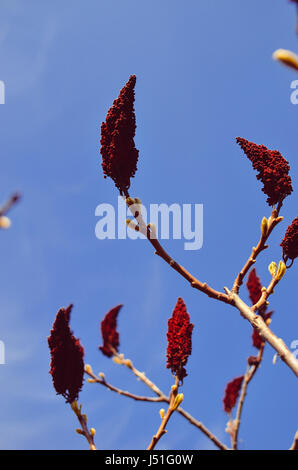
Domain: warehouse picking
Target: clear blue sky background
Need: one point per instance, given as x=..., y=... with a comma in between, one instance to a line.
x=205, y=75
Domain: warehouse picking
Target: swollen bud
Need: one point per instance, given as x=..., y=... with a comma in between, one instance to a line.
x=92, y=432
x=264, y=226
x=88, y=369
x=132, y=225
x=5, y=222
x=281, y=270
x=287, y=58
x=162, y=413
x=178, y=401
x=272, y=268
x=127, y=363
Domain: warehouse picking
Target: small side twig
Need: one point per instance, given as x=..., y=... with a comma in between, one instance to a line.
x=198, y=424
x=14, y=198
x=202, y=427
x=230, y=297
x=273, y=220
x=266, y=292
x=119, y=359
x=161, y=397
x=175, y=399
x=247, y=378
x=82, y=418
x=160, y=251
x=102, y=381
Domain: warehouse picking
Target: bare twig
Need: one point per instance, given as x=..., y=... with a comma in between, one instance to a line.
x=160, y=251
x=247, y=378
x=165, y=419
x=102, y=381
x=198, y=424
x=119, y=359
x=161, y=397
x=231, y=297
x=273, y=220
x=89, y=434
x=9, y=204
x=266, y=292
x=258, y=323
x=202, y=428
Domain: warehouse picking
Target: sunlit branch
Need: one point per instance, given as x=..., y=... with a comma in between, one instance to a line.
x=257, y=322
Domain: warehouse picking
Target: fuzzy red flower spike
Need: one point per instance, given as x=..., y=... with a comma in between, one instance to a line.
x=179, y=340
x=254, y=287
x=231, y=393
x=290, y=242
x=273, y=170
x=67, y=357
x=109, y=332
x=119, y=154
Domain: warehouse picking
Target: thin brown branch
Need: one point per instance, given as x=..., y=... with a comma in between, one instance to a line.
x=119, y=359
x=9, y=204
x=102, y=381
x=273, y=220
x=160, y=251
x=84, y=431
x=161, y=396
x=198, y=424
x=231, y=297
x=202, y=428
x=247, y=378
x=258, y=323
x=266, y=292
x=165, y=419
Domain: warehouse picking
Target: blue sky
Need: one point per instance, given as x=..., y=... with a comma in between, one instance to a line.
x=204, y=76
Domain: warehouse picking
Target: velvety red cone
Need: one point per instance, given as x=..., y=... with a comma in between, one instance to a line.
x=231, y=393
x=109, y=332
x=67, y=357
x=254, y=287
x=179, y=340
x=273, y=170
x=290, y=241
x=119, y=154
